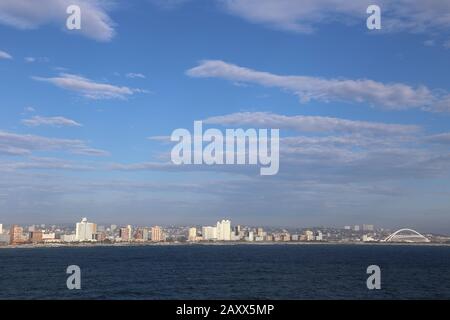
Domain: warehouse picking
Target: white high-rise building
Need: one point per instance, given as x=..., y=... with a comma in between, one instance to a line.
x=192, y=236
x=209, y=233
x=224, y=230
x=1, y=228
x=85, y=230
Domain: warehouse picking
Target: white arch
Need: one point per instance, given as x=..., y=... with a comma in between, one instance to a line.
x=389, y=238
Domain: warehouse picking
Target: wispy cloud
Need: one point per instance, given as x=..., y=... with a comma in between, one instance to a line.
x=309, y=123
x=25, y=14
x=394, y=96
x=25, y=144
x=304, y=16
x=36, y=59
x=42, y=163
x=89, y=88
x=50, y=121
x=135, y=75
x=5, y=55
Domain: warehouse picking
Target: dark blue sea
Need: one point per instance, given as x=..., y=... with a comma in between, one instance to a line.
x=227, y=272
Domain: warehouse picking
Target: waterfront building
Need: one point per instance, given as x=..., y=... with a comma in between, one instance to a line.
x=1, y=228
x=319, y=236
x=16, y=234
x=125, y=234
x=36, y=236
x=68, y=238
x=157, y=234
x=209, y=233
x=192, y=236
x=224, y=230
x=368, y=227
x=356, y=228
x=309, y=235
x=100, y=236
x=85, y=230
x=48, y=236
x=4, y=238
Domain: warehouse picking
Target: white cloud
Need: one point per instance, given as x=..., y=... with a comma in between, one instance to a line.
x=303, y=16
x=5, y=55
x=42, y=163
x=442, y=138
x=394, y=96
x=26, y=14
x=89, y=88
x=36, y=59
x=309, y=123
x=50, y=121
x=135, y=75
x=25, y=144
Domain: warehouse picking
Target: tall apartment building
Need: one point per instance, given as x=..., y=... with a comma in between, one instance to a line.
x=224, y=230
x=209, y=233
x=192, y=236
x=36, y=236
x=16, y=234
x=126, y=233
x=157, y=234
x=85, y=231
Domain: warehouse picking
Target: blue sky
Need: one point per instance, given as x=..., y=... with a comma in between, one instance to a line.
x=363, y=115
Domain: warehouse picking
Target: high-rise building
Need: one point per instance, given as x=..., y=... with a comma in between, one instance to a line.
x=1, y=228
x=145, y=234
x=209, y=233
x=126, y=233
x=192, y=236
x=15, y=234
x=356, y=228
x=85, y=231
x=36, y=236
x=141, y=234
x=237, y=230
x=260, y=232
x=157, y=234
x=368, y=227
x=309, y=235
x=319, y=236
x=224, y=230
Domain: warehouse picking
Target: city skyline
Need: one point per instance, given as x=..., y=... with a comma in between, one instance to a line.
x=223, y=231
x=86, y=115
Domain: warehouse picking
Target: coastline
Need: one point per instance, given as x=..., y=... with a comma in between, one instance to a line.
x=229, y=243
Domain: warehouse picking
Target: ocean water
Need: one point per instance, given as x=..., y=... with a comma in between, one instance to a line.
x=227, y=272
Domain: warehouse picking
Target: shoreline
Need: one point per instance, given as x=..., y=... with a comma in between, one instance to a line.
x=187, y=244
